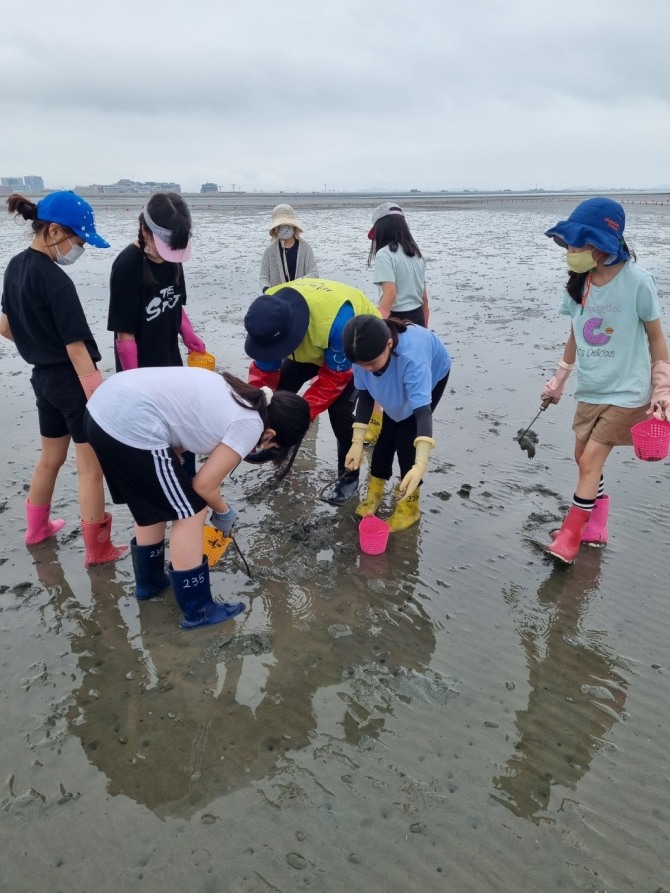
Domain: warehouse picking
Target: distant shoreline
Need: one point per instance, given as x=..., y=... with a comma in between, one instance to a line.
x=240, y=202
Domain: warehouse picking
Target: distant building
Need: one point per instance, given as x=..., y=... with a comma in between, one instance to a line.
x=21, y=184
x=36, y=184
x=209, y=187
x=124, y=187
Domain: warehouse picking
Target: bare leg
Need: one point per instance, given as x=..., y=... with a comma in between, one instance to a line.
x=52, y=458
x=590, y=457
x=186, y=542
x=150, y=535
x=91, y=489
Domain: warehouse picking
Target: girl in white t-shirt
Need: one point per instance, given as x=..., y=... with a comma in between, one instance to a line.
x=139, y=420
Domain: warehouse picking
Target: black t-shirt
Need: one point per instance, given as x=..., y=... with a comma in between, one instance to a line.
x=44, y=310
x=152, y=313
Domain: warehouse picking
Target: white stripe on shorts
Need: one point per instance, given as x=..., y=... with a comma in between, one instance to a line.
x=170, y=484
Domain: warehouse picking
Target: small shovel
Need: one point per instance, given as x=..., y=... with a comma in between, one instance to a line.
x=527, y=438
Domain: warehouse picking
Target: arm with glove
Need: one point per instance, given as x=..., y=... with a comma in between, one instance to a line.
x=325, y=388
x=193, y=343
x=660, y=371
x=264, y=377
x=90, y=378
x=422, y=448
x=553, y=389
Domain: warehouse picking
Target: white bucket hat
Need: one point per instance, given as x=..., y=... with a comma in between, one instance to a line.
x=284, y=215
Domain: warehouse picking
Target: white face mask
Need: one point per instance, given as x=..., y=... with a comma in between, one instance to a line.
x=72, y=255
x=284, y=232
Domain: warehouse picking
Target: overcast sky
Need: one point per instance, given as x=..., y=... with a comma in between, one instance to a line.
x=347, y=95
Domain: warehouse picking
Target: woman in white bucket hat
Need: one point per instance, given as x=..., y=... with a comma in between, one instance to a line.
x=289, y=256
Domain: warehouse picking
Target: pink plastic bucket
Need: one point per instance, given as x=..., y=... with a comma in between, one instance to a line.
x=373, y=534
x=651, y=440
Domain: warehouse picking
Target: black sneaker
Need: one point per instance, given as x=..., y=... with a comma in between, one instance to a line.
x=343, y=489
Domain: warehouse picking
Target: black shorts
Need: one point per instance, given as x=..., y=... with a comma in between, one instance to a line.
x=61, y=401
x=152, y=483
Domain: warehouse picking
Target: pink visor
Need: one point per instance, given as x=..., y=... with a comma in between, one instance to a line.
x=174, y=255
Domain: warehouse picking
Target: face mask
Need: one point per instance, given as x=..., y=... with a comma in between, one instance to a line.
x=580, y=261
x=72, y=255
x=284, y=232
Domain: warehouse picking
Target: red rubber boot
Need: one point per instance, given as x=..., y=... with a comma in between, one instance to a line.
x=566, y=545
x=97, y=539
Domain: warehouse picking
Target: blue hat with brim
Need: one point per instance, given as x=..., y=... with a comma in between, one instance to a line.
x=597, y=221
x=72, y=211
x=276, y=324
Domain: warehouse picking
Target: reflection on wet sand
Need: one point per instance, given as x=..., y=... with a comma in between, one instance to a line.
x=577, y=691
x=176, y=719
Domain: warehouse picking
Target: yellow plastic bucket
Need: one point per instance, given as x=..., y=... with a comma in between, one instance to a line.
x=201, y=361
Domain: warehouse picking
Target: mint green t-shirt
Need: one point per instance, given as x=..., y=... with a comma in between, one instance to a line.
x=613, y=359
x=408, y=274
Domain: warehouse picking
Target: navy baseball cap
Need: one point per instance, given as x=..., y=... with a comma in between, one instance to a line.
x=71, y=210
x=276, y=324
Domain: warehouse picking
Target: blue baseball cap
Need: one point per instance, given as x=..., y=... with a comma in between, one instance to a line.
x=70, y=209
x=597, y=221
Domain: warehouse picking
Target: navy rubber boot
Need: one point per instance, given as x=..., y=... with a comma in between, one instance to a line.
x=343, y=489
x=194, y=597
x=149, y=568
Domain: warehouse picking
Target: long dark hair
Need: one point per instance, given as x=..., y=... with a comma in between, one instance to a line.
x=169, y=210
x=576, y=283
x=23, y=207
x=287, y=414
x=396, y=328
x=393, y=231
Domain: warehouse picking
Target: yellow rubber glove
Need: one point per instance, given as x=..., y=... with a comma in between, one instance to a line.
x=422, y=446
x=354, y=457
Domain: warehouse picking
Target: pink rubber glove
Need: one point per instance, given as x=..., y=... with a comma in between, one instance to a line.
x=553, y=390
x=127, y=353
x=91, y=382
x=190, y=339
x=660, y=395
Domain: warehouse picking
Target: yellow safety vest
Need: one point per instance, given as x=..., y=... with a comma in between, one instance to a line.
x=325, y=300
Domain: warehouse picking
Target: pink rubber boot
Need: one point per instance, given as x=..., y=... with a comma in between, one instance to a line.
x=596, y=530
x=39, y=525
x=97, y=540
x=566, y=545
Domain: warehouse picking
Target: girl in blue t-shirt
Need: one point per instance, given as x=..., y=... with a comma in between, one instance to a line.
x=405, y=368
x=617, y=344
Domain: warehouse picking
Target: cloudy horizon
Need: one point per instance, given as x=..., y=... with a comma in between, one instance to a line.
x=378, y=96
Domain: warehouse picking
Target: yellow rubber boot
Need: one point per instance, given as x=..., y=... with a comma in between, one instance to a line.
x=405, y=513
x=374, y=427
x=373, y=499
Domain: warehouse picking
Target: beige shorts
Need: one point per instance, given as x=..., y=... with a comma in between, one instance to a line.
x=606, y=424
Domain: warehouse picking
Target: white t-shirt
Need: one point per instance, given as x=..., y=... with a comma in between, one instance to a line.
x=174, y=406
x=408, y=274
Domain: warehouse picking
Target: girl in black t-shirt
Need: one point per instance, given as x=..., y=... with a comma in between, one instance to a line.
x=147, y=290
x=42, y=314
x=147, y=293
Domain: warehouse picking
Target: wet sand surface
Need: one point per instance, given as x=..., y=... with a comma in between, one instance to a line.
x=457, y=714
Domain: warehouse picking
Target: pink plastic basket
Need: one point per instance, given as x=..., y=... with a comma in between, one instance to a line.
x=373, y=534
x=651, y=440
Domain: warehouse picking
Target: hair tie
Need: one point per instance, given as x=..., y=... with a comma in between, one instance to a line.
x=268, y=394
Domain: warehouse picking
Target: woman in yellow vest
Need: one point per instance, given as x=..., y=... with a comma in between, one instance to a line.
x=294, y=335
